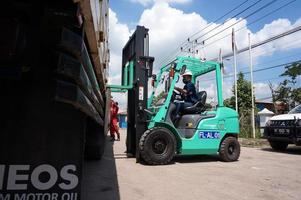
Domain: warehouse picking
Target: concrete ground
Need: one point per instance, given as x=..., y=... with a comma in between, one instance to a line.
x=260, y=173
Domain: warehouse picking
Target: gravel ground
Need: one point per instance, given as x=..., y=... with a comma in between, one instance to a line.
x=260, y=173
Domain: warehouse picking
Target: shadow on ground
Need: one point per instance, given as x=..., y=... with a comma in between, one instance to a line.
x=187, y=159
x=294, y=150
x=100, y=177
x=196, y=158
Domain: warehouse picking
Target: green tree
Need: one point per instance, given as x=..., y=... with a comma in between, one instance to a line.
x=288, y=91
x=296, y=95
x=243, y=95
x=244, y=98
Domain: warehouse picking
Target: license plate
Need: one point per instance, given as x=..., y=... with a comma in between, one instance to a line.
x=209, y=135
x=282, y=131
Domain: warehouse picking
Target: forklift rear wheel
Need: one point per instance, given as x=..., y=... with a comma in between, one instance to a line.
x=229, y=149
x=157, y=146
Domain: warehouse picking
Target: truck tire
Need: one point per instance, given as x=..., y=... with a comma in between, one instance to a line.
x=278, y=146
x=157, y=146
x=95, y=141
x=229, y=149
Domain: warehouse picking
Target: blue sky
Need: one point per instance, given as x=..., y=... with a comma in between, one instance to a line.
x=195, y=14
x=130, y=13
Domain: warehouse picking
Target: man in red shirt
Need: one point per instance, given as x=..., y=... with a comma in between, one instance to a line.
x=114, y=121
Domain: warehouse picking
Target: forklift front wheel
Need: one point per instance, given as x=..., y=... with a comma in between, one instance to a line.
x=229, y=149
x=157, y=146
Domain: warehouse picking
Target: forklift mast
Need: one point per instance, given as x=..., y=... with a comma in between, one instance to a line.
x=136, y=54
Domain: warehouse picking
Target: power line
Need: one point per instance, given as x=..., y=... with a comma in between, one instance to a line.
x=268, y=79
x=176, y=50
x=296, y=29
x=256, y=11
x=258, y=19
x=211, y=23
x=222, y=24
x=230, y=18
x=259, y=70
x=269, y=61
x=271, y=51
x=253, y=22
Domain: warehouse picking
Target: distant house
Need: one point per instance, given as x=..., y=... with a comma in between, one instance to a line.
x=260, y=105
x=122, y=117
x=278, y=107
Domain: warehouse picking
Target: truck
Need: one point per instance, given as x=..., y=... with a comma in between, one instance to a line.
x=54, y=59
x=285, y=129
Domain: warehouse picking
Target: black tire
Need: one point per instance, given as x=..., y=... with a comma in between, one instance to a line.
x=278, y=146
x=229, y=149
x=95, y=141
x=157, y=146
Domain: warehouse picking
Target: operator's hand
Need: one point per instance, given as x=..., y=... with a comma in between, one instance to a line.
x=182, y=91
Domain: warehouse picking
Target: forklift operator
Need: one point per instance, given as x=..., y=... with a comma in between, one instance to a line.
x=188, y=94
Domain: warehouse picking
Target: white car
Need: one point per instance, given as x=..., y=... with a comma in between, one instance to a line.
x=285, y=129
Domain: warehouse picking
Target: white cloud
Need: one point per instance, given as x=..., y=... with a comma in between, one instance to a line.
x=169, y=27
x=227, y=88
x=121, y=98
x=119, y=35
x=148, y=2
x=262, y=90
x=274, y=28
x=143, y=2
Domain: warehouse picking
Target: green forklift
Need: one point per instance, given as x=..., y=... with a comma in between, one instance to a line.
x=198, y=131
x=158, y=139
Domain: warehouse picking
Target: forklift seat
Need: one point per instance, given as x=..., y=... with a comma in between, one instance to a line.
x=199, y=106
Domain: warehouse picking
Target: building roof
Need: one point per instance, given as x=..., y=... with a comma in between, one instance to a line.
x=265, y=112
x=263, y=102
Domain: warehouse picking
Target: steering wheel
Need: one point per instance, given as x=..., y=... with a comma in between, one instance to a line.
x=176, y=95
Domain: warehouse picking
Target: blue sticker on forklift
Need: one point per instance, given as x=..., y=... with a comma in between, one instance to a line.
x=209, y=135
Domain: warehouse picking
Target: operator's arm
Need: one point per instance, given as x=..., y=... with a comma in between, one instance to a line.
x=183, y=91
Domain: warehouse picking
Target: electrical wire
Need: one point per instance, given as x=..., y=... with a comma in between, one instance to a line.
x=251, y=14
x=259, y=70
x=216, y=20
x=231, y=18
x=253, y=22
x=275, y=59
x=176, y=50
x=267, y=79
x=211, y=23
x=258, y=10
x=276, y=37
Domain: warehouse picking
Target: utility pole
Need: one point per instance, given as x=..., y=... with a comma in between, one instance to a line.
x=235, y=68
x=252, y=89
x=222, y=65
x=235, y=80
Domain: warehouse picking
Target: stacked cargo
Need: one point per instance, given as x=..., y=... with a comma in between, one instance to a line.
x=53, y=62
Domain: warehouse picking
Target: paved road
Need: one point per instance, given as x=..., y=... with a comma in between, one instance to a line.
x=259, y=174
